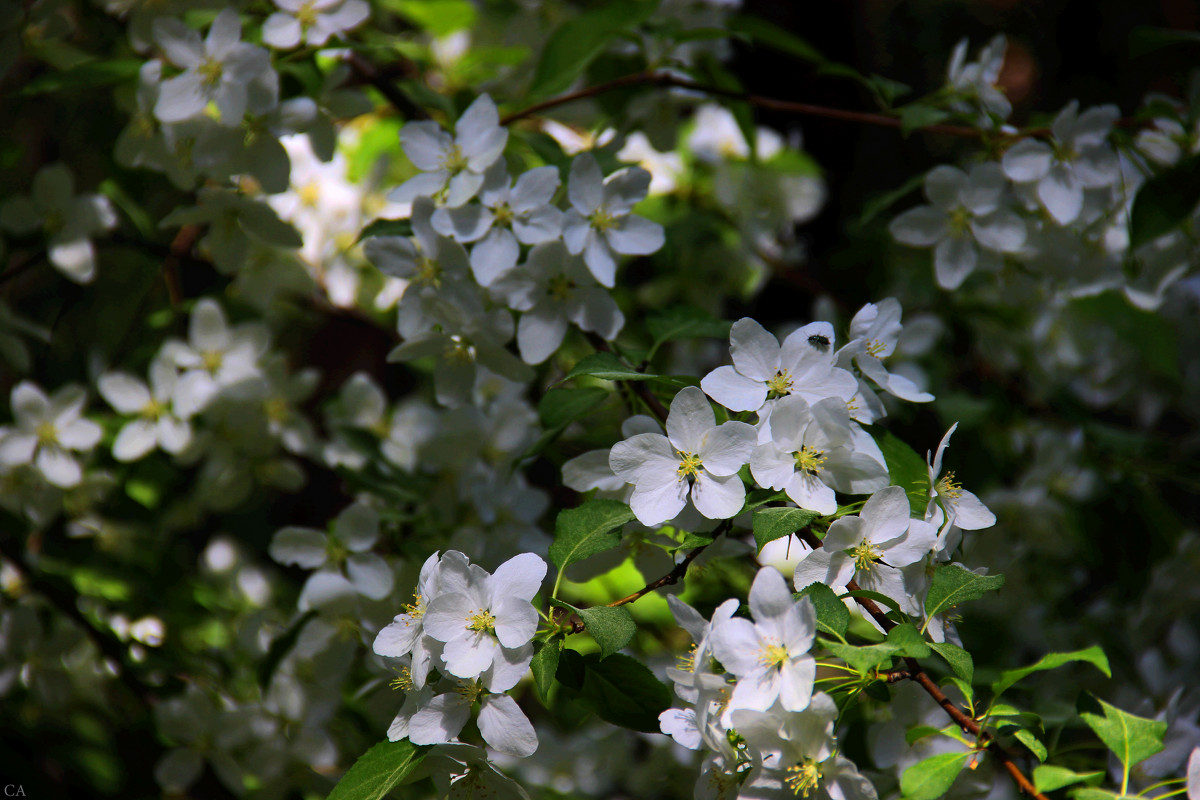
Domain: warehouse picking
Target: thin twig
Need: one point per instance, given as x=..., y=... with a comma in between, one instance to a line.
x=369, y=73
x=675, y=575
x=775, y=104
x=637, y=387
x=965, y=721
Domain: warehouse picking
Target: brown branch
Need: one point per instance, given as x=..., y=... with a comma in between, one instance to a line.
x=368, y=73
x=675, y=575
x=637, y=387
x=775, y=104
x=962, y=719
x=65, y=602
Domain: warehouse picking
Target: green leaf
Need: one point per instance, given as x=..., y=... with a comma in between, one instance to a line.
x=1092, y=655
x=963, y=686
x=612, y=628
x=684, y=322
x=577, y=42
x=545, y=663
x=915, y=116
x=693, y=540
x=906, y=469
x=87, y=75
x=1047, y=777
x=775, y=523
x=379, y=770
x=832, y=615
x=387, y=227
x=1026, y=737
x=587, y=530
x=919, y=732
x=959, y=660
x=1164, y=202
x=907, y=641
x=607, y=366
x=624, y=692
x=933, y=777
x=774, y=37
x=439, y=17
x=280, y=646
x=1088, y=793
x=953, y=585
x=902, y=640
x=559, y=407
x=760, y=497
x=1133, y=739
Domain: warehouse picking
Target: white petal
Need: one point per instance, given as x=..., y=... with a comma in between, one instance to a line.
x=585, y=187
x=496, y=253
x=520, y=577
x=922, y=226
x=440, y=721
x=943, y=184
x=657, y=504
x=123, y=392
x=303, y=547
x=540, y=332
x=690, y=420
x=1002, y=231
x=58, y=467
x=953, y=260
x=1061, y=194
x=755, y=352
x=425, y=144
x=727, y=448
x=135, y=440
x=635, y=236
x=281, y=31
x=1028, y=160
x=734, y=390
x=718, y=498
x=505, y=727
x=370, y=574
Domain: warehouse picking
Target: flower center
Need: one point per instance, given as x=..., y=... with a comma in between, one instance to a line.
x=309, y=194
x=865, y=556
x=875, y=347
x=210, y=71
x=429, y=273
x=960, y=220
x=774, y=655
x=602, y=219
x=211, y=359
x=809, y=460
x=307, y=14
x=689, y=465
x=481, y=620
x=460, y=350
x=469, y=691
x=46, y=434
x=803, y=778
x=504, y=215
x=781, y=384
x=276, y=409
x=403, y=680
x=560, y=288
x=454, y=160
x=415, y=610
x=153, y=409
x=948, y=487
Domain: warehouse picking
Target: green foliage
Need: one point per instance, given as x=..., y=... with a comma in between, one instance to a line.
x=683, y=322
x=953, y=585
x=559, y=407
x=387, y=227
x=1092, y=655
x=1131, y=738
x=906, y=469
x=902, y=641
x=586, y=530
x=439, y=17
x=545, y=663
x=1165, y=201
x=832, y=615
x=611, y=627
x=380, y=770
x=959, y=659
x=577, y=42
x=933, y=777
x=619, y=689
x=775, y=523
x=1048, y=777
x=609, y=367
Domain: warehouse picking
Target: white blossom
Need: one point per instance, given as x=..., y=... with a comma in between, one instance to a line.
x=452, y=167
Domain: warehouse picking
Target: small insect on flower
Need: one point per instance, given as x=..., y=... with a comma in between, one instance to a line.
x=819, y=342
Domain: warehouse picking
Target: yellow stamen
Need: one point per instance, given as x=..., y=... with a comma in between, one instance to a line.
x=602, y=219
x=866, y=555
x=211, y=71
x=803, y=778
x=947, y=487
x=481, y=620
x=687, y=661
x=689, y=465
x=454, y=160
x=46, y=434
x=775, y=655
x=875, y=347
x=809, y=460
x=415, y=609
x=403, y=680
x=212, y=360
x=781, y=384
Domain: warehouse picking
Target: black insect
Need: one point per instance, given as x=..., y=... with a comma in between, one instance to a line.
x=819, y=342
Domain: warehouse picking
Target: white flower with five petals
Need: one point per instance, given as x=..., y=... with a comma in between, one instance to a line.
x=697, y=458
x=452, y=166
